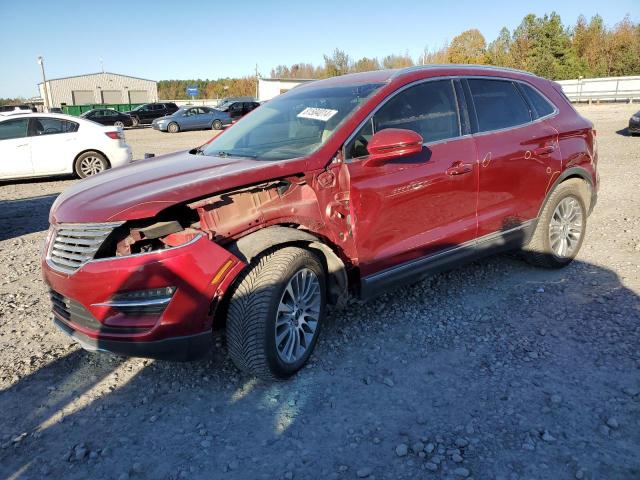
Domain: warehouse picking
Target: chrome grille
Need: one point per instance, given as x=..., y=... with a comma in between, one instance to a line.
x=74, y=244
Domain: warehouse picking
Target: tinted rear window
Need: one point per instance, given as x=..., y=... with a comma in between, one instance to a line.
x=498, y=104
x=540, y=104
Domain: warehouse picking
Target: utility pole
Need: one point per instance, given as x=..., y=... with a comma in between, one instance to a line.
x=101, y=65
x=257, y=82
x=44, y=84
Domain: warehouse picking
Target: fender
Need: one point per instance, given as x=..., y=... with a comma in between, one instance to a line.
x=573, y=172
x=252, y=245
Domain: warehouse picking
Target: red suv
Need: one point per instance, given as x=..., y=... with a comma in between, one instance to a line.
x=354, y=184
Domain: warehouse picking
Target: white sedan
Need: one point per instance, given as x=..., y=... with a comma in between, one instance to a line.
x=43, y=144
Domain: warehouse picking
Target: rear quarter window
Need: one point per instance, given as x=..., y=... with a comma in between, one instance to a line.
x=540, y=104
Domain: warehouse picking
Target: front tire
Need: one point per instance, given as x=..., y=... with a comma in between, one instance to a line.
x=275, y=313
x=216, y=125
x=90, y=163
x=561, y=226
x=173, y=128
x=135, y=121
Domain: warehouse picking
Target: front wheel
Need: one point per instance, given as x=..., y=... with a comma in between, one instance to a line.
x=173, y=128
x=135, y=121
x=275, y=313
x=90, y=163
x=561, y=226
x=216, y=125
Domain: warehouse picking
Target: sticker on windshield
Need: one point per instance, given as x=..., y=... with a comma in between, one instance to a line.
x=323, y=114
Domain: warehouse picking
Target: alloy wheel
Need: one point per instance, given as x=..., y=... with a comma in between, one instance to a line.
x=565, y=227
x=298, y=315
x=91, y=165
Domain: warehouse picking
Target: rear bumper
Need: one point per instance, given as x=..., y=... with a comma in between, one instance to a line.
x=183, y=348
x=120, y=156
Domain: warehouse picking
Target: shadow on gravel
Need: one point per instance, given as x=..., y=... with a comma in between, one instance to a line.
x=625, y=132
x=25, y=215
x=474, y=373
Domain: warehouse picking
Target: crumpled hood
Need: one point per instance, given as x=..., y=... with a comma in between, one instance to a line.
x=145, y=187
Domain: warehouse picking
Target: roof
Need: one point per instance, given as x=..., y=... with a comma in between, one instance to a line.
x=98, y=73
x=462, y=66
x=281, y=79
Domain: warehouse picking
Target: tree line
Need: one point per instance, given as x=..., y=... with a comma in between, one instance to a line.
x=541, y=45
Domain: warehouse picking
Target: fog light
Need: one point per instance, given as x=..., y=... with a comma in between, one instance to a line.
x=141, y=302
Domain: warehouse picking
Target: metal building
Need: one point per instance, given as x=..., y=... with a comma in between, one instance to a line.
x=96, y=88
x=269, y=88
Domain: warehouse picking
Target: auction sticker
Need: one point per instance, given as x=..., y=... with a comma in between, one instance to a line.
x=323, y=114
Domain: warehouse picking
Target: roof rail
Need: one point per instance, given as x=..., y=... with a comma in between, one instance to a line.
x=492, y=68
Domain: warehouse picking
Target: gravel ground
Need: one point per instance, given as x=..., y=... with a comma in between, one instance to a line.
x=496, y=370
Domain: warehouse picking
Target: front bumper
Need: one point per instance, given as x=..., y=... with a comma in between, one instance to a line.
x=634, y=127
x=180, y=331
x=161, y=127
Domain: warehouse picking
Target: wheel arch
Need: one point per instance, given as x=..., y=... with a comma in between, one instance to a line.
x=250, y=246
x=571, y=173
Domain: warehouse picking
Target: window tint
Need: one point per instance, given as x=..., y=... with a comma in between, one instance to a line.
x=13, y=129
x=52, y=126
x=540, y=104
x=498, y=104
x=429, y=109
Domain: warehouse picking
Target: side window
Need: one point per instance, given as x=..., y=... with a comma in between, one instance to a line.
x=14, y=129
x=52, y=126
x=540, y=104
x=498, y=104
x=429, y=109
x=357, y=147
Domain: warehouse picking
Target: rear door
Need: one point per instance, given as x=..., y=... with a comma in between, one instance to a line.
x=53, y=144
x=517, y=152
x=415, y=206
x=15, y=149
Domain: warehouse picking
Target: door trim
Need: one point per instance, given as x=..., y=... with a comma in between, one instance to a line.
x=415, y=270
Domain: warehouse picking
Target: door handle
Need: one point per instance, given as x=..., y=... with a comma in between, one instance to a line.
x=546, y=150
x=459, y=168
x=22, y=145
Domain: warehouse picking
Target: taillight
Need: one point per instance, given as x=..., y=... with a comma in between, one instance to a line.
x=114, y=135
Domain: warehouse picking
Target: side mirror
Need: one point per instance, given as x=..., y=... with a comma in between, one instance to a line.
x=392, y=143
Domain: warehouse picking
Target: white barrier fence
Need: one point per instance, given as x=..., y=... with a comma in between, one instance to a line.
x=607, y=89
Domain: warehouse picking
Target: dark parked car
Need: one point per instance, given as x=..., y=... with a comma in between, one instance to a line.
x=350, y=185
x=634, y=124
x=192, y=118
x=108, y=116
x=237, y=109
x=147, y=113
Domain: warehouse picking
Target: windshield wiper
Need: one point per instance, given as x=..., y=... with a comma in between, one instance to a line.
x=225, y=154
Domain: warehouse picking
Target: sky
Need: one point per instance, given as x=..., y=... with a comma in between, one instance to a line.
x=187, y=39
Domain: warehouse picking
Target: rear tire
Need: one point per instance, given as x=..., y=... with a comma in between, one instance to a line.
x=173, y=127
x=561, y=227
x=90, y=163
x=216, y=125
x=119, y=124
x=275, y=313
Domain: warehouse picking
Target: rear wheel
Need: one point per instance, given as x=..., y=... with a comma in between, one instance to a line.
x=173, y=128
x=216, y=125
x=275, y=313
x=119, y=124
x=90, y=163
x=561, y=226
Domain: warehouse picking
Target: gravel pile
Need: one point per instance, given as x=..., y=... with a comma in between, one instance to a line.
x=495, y=370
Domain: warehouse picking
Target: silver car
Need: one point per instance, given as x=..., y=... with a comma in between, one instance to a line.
x=192, y=118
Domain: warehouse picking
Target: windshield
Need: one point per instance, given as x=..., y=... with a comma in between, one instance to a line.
x=293, y=125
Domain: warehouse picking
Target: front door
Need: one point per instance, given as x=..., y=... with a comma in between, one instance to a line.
x=416, y=206
x=15, y=149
